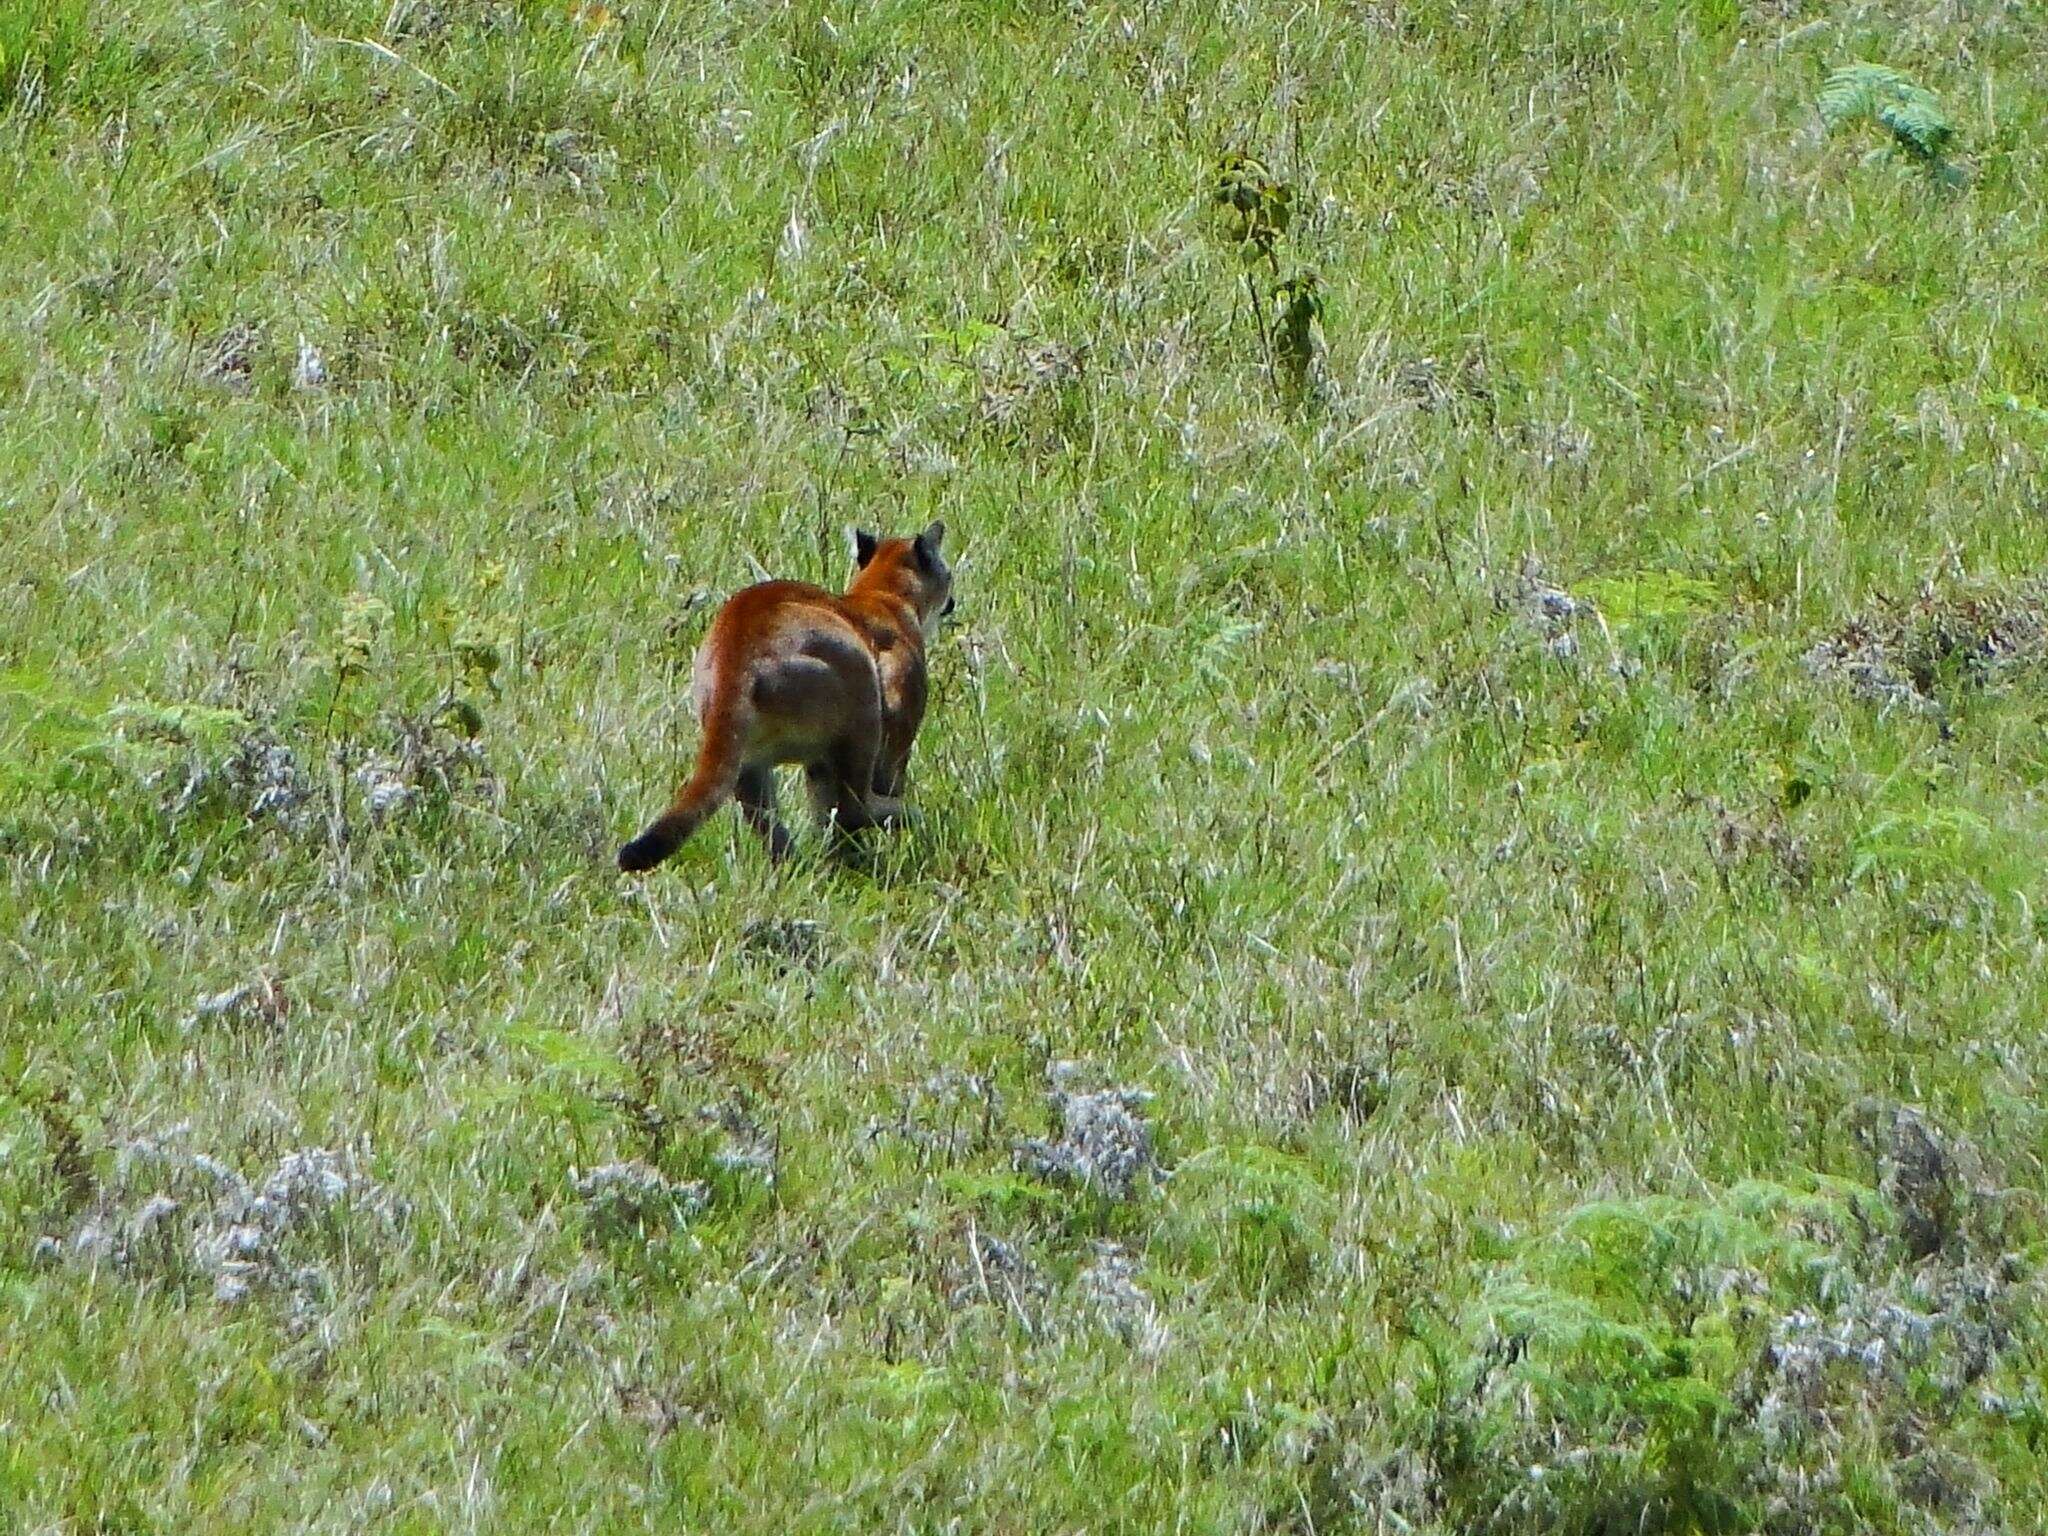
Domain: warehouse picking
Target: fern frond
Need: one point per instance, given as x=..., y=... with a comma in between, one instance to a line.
x=1874, y=93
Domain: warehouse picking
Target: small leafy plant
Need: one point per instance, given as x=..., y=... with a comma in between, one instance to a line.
x=1257, y=213
x=1299, y=301
x=1257, y=206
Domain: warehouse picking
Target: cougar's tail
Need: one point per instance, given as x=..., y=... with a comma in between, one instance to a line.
x=710, y=786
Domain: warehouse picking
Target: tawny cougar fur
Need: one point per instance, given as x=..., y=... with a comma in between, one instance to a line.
x=791, y=673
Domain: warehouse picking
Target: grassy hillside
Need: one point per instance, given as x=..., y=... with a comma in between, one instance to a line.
x=1474, y=960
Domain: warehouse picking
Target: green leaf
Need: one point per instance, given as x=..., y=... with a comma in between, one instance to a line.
x=1650, y=597
x=561, y=1051
x=1008, y=1194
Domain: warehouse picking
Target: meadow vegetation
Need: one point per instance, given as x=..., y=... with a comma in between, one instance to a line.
x=1474, y=959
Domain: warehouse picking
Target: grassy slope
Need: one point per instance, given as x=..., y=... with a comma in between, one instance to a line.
x=1239, y=779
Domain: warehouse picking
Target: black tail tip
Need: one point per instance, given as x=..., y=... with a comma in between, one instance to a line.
x=644, y=852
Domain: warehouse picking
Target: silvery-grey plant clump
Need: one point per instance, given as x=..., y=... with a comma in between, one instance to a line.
x=1104, y=1143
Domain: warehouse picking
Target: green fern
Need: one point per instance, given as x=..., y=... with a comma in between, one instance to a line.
x=1596, y=1382
x=1873, y=93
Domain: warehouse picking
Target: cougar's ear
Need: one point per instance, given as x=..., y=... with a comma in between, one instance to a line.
x=864, y=546
x=927, y=546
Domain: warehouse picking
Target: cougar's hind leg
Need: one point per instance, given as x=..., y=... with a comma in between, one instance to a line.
x=890, y=771
x=860, y=770
x=836, y=806
x=842, y=799
x=756, y=796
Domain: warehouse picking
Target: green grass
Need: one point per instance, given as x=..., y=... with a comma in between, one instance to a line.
x=1485, y=954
